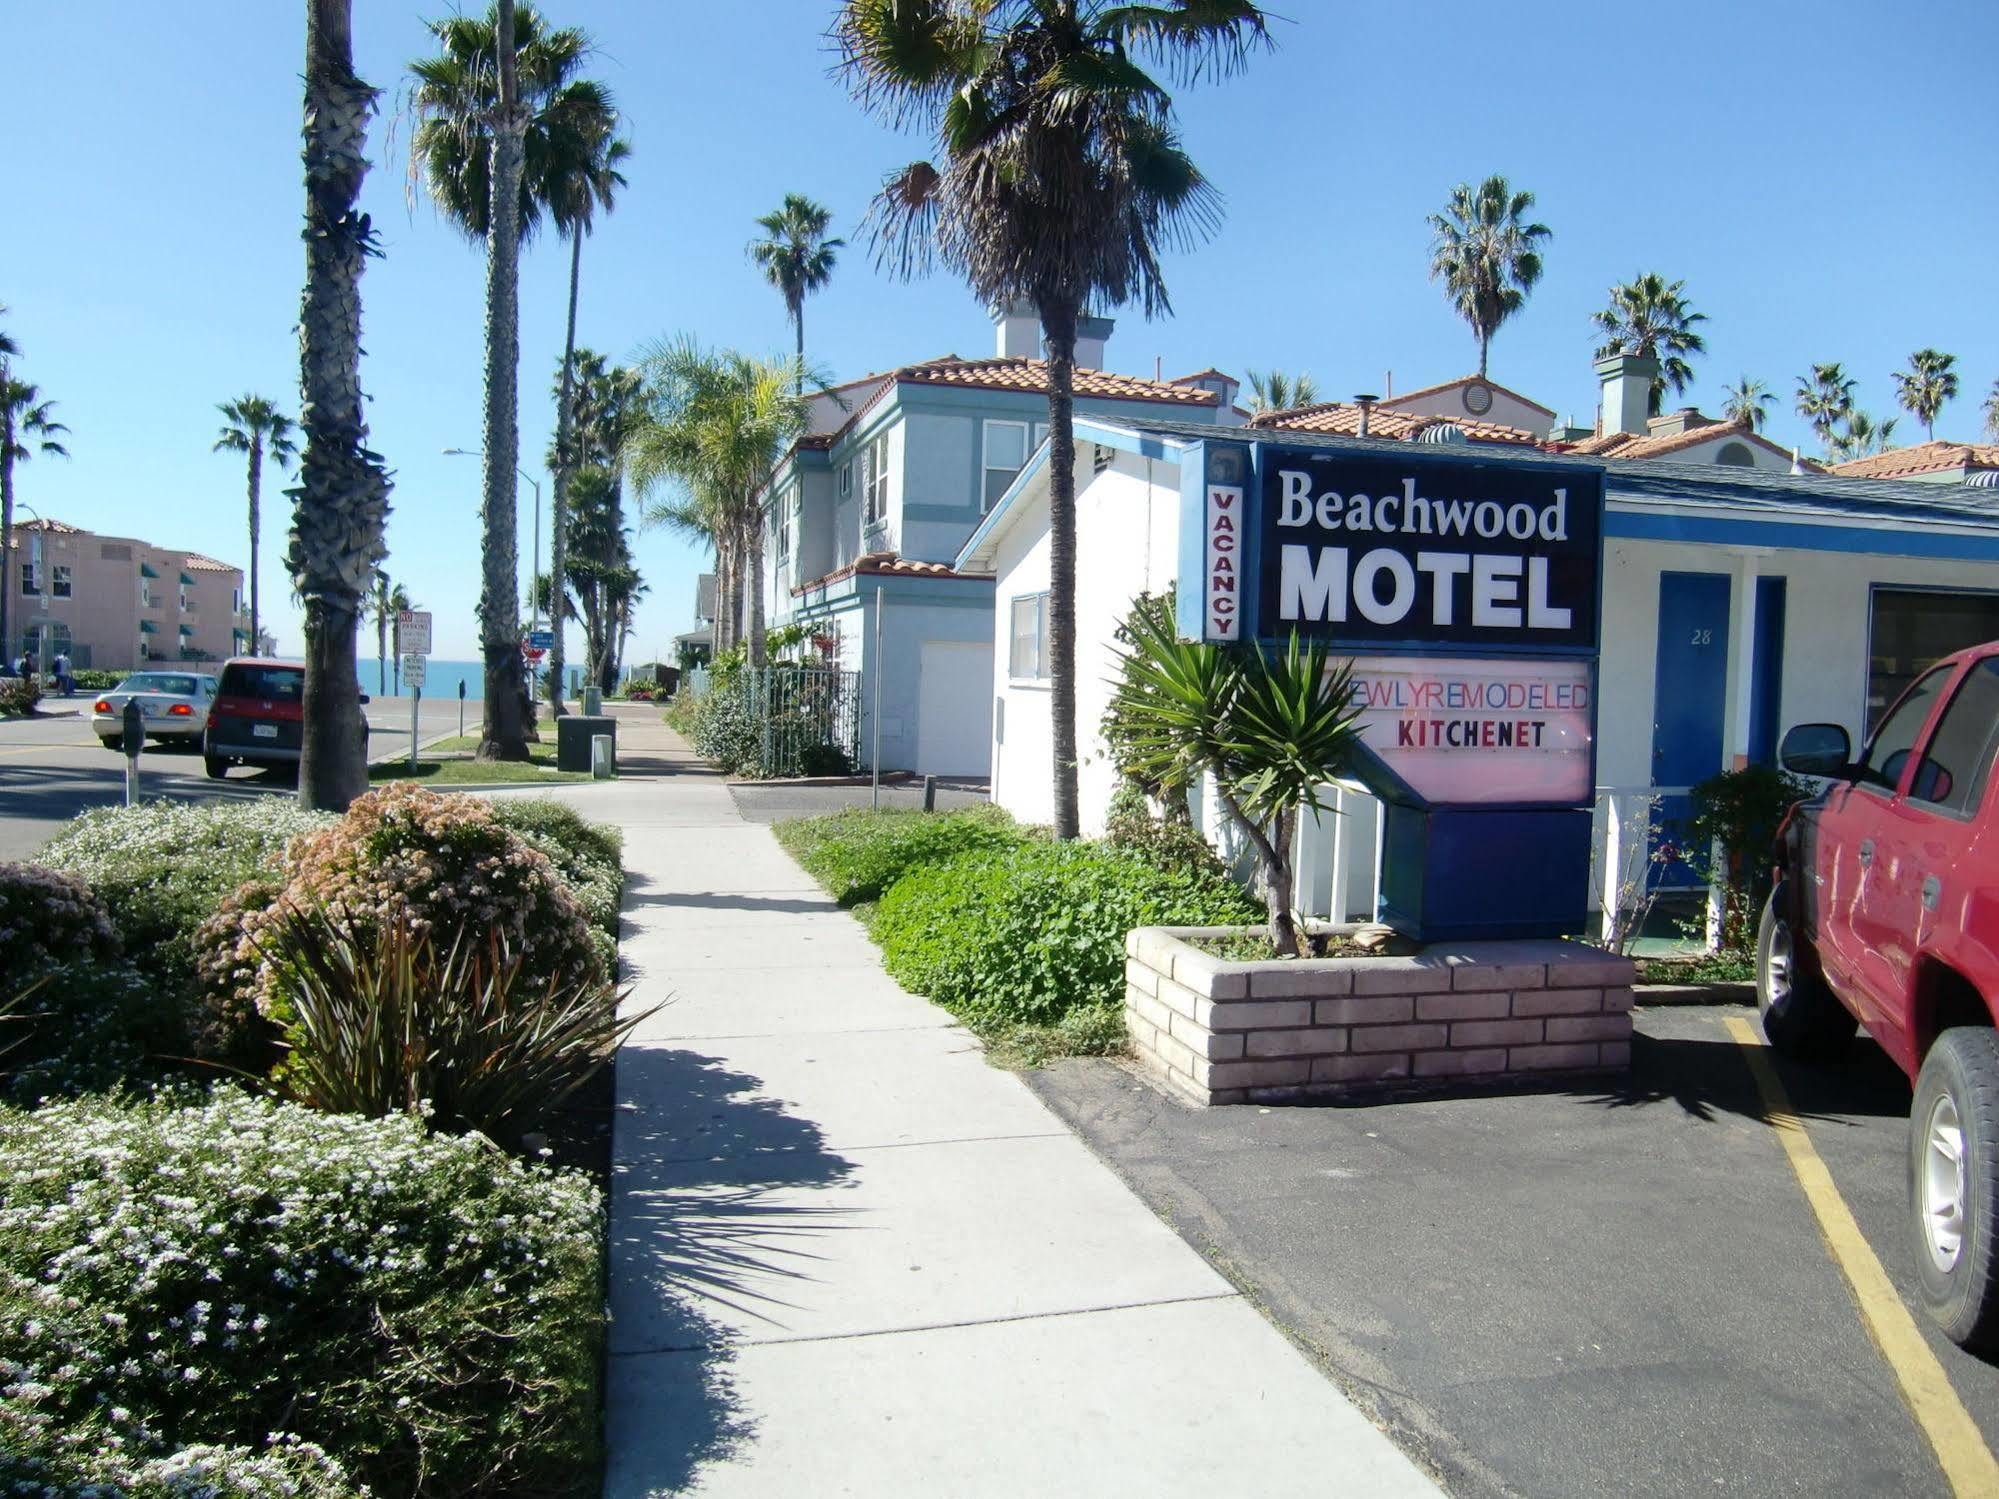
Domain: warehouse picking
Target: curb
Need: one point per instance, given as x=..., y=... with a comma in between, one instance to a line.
x=1721, y=992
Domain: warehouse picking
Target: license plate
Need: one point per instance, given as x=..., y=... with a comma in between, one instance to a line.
x=151, y=710
x=264, y=730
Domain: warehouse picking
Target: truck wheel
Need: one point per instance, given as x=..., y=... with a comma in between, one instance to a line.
x=1800, y=1015
x=216, y=766
x=1954, y=1185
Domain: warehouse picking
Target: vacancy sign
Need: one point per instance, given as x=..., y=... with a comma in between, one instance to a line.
x=1222, y=607
x=1470, y=732
x=413, y=631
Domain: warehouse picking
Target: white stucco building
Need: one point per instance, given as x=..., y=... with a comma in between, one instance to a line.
x=1736, y=600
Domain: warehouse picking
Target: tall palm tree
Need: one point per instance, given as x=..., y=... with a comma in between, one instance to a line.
x=341, y=501
x=1990, y=411
x=1487, y=255
x=27, y=426
x=254, y=425
x=1651, y=316
x=389, y=601
x=1273, y=390
x=1859, y=436
x=1825, y=399
x=474, y=116
x=710, y=433
x=797, y=258
x=1745, y=401
x=1922, y=389
x=1059, y=181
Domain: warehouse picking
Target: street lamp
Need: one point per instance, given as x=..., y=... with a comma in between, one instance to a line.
x=534, y=596
x=42, y=569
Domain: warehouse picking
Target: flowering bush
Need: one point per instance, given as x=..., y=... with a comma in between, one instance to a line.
x=49, y=917
x=242, y=1272
x=589, y=856
x=163, y=868
x=18, y=696
x=443, y=864
x=84, y=1027
x=70, y=1465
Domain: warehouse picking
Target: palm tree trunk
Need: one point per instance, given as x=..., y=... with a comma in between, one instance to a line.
x=7, y=583
x=343, y=494
x=1058, y=327
x=755, y=584
x=564, y=462
x=798, y=326
x=720, y=624
x=503, y=733
x=382, y=652
x=256, y=528
x=1484, y=346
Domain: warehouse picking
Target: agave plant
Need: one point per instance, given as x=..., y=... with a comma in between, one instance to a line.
x=1271, y=727
x=389, y=1022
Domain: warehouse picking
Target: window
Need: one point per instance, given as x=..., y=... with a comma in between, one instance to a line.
x=1959, y=755
x=1889, y=750
x=235, y=601
x=1027, y=660
x=1736, y=455
x=184, y=604
x=847, y=480
x=1913, y=629
x=62, y=588
x=877, y=479
x=781, y=526
x=29, y=583
x=145, y=594
x=1005, y=456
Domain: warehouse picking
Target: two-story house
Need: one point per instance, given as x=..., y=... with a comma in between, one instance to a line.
x=868, y=511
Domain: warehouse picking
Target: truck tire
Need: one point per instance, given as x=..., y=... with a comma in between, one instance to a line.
x=1954, y=1185
x=1801, y=1016
x=216, y=766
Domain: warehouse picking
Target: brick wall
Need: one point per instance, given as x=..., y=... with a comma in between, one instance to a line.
x=1222, y=1032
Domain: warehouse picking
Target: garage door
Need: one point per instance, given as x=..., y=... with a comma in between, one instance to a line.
x=954, y=708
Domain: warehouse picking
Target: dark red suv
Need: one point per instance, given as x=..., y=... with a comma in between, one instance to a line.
x=258, y=717
x=1886, y=914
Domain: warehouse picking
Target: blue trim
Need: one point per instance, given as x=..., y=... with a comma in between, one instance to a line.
x=1899, y=541
x=1036, y=461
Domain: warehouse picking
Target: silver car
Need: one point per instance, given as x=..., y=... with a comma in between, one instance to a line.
x=174, y=705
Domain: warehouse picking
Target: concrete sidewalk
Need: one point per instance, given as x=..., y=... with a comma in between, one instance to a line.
x=848, y=1257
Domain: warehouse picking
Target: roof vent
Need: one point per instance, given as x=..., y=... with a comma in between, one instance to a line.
x=1366, y=404
x=1984, y=478
x=1443, y=432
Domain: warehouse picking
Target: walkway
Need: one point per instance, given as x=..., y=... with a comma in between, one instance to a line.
x=848, y=1257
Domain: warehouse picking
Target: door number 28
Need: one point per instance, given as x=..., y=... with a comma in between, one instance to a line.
x=1703, y=637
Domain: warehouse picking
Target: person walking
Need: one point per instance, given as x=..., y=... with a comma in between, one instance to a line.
x=60, y=666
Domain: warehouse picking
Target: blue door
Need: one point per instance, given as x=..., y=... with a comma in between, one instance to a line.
x=1690, y=696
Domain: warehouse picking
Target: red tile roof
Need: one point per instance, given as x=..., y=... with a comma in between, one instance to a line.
x=888, y=564
x=1430, y=390
x=1032, y=375
x=1920, y=458
x=1342, y=418
x=198, y=563
x=1634, y=445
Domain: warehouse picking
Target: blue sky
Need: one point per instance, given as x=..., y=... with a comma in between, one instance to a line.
x=1819, y=174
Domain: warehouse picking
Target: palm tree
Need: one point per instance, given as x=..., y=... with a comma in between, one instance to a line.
x=471, y=143
x=389, y=601
x=1060, y=180
x=711, y=430
x=1825, y=399
x=1745, y=401
x=1859, y=436
x=1990, y=411
x=1650, y=316
x=1923, y=388
x=797, y=258
x=1486, y=255
x=27, y=426
x=254, y=425
x=1273, y=390
x=341, y=501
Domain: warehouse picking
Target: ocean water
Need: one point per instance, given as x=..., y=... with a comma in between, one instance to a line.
x=441, y=680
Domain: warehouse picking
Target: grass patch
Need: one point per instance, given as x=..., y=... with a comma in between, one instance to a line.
x=1705, y=968
x=857, y=854
x=1093, y=1031
x=449, y=762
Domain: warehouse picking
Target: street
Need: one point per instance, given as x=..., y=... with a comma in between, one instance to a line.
x=53, y=767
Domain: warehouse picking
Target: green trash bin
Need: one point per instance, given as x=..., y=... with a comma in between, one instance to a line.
x=573, y=733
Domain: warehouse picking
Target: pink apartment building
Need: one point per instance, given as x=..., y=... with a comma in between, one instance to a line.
x=113, y=603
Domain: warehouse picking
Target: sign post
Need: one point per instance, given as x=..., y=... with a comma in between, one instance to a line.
x=413, y=632
x=413, y=676
x=1466, y=590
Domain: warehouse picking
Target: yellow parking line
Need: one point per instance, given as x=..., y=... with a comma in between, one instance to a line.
x=1960, y=1447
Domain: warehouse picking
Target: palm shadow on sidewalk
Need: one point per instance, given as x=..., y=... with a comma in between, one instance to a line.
x=707, y=1236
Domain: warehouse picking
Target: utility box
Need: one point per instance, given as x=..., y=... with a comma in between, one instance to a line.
x=573, y=733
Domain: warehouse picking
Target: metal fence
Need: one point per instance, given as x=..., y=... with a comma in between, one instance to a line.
x=809, y=717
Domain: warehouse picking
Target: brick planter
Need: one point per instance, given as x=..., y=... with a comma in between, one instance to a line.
x=1280, y=1030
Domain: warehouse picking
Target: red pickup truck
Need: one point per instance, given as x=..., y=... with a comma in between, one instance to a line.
x=1886, y=914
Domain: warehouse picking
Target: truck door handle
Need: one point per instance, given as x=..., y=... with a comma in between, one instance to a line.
x=1866, y=851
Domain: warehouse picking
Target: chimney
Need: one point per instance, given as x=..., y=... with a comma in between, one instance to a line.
x=1627, y=391
x=1092, y=333
x=1673, y=423
x=1019, y=327
x=1366, y=404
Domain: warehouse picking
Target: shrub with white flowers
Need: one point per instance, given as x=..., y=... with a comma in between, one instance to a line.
x=48, y=917
x=37, y=1462
x=239, y=1273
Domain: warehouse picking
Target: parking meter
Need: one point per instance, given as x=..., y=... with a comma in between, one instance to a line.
x=134, y=734
x=461, y=707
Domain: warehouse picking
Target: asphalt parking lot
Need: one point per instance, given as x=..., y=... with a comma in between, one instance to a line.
x=1620, y=1290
